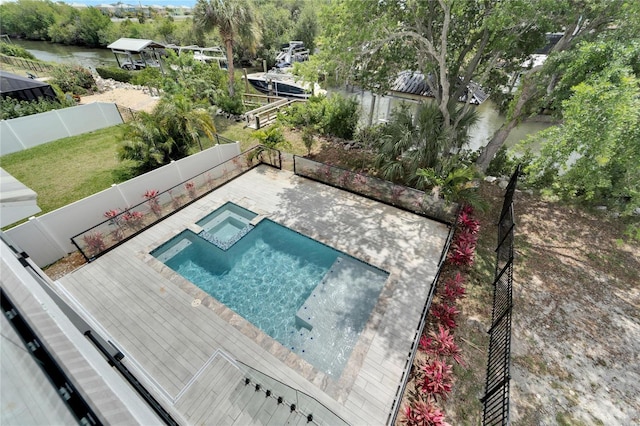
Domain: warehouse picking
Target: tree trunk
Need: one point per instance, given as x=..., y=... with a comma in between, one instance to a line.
x=494, y=144
x=501, y=135
x=229, y=45
x=528, y=91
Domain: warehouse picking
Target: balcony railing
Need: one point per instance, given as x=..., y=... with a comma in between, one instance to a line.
x=309, y=407
x=120, y=226
x=403, y=197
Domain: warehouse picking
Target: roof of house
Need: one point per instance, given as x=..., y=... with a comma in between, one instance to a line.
x=23, y=88
x=16, y=200
x=414, y=83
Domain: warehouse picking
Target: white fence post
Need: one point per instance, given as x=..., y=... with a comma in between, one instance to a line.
x=45, y=232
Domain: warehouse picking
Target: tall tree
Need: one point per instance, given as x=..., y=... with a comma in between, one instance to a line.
x=450, y=42
x=235, y=20
x=594, y=155
x=581, y=20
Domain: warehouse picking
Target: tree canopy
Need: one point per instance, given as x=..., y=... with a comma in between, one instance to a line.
x=235, y=20
x=594, y=154
x=547, y=86
x=452, y=43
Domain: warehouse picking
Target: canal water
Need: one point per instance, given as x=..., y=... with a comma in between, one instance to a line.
x=53, y=52
x=489, y=117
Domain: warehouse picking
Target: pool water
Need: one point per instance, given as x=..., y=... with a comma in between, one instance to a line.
x=311, y=298
x=226, y=225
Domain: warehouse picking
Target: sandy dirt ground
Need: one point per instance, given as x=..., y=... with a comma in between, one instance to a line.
x=135, y=99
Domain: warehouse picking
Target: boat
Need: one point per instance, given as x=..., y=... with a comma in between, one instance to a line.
x=294, y=51
x=281, y=83
x=203, y=54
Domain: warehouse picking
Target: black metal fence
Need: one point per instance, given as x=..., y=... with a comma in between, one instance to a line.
x=121, y=226
x=496, y=397
x=403, y=197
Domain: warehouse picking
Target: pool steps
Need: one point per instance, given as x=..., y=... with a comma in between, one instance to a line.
x=328, y=309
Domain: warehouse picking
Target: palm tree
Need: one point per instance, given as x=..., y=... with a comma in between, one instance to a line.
x=410, y=144
x=167, y=134
x=234, y=19
x=184, y=122
x=146, y=144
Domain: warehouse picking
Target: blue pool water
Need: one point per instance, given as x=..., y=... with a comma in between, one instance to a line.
x=312, y=299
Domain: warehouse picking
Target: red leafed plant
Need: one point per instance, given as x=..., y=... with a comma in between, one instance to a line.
x=453, y=289
x=421, y=413
x=468, y=223
x=435, y=378
x=191, y=189
x=466, y=238
x=152, y=199
x=441, y=344
x=133, y=219
x=445, y=314
x=95, y=243
x=462, y=254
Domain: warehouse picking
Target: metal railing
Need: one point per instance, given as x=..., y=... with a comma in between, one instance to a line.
x=496, y=396
x=127, y=113
x=121, y=226
x=386, y=192
x=313, y=410
x=28, y=64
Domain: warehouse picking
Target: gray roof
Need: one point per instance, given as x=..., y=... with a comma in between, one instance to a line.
x=414, y=83
x=17, y=201
x=135, y=45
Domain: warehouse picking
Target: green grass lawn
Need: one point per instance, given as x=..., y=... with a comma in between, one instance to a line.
x=68, y=169
x=73, y=168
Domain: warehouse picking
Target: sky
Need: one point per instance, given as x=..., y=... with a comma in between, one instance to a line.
x=164, y=3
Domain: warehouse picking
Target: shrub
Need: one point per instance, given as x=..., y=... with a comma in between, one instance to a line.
x=370, y=137
x=230, y=105
x=149, y=76
x=441, y=344
x=17, y=51
x=73, y=79
x=453, y=289
x=342, y=117
x=334, y=116
x=422, y=413
x=445, y=314
x=436, y=378
x=115, y=73
x=14, y=108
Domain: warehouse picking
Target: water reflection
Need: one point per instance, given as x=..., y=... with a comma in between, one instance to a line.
x=52, y=52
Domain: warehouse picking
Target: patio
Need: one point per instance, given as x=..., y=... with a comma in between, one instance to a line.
x=183, y=344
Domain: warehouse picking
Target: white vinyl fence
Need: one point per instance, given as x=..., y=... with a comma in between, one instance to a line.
x=47, y=238
x=26, y=132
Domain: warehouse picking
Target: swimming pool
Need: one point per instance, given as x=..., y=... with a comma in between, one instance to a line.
x=311, y=298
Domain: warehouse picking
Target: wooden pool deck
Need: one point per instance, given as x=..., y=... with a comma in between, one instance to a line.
x=183, y=344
